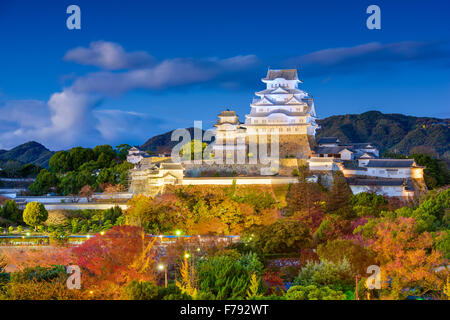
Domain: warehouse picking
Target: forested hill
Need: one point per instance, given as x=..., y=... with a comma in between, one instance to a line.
x=30, y=152
x=162, y=143
x=396, y=133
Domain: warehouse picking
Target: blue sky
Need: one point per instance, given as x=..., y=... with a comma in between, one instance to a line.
x=139, y=68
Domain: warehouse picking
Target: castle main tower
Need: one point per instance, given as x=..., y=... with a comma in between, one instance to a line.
x=284, y=108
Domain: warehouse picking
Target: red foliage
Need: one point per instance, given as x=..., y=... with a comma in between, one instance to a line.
x=122, y=254
x=308, y=255
x=273, y=282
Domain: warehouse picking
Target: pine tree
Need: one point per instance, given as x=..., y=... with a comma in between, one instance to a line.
x=339, y=196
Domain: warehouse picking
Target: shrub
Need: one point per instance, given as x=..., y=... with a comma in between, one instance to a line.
x=326, y=273
x=136, y=290
x=313, y=292
x=172, y=292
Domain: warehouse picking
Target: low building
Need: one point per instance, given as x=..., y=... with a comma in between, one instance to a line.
x=135, y=155
x=324, y=164
x=331, y=147
x=388, y=187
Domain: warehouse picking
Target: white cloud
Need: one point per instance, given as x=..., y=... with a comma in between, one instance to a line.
x=108, y=55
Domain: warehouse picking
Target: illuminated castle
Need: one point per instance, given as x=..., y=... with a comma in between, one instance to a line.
x=281, y=108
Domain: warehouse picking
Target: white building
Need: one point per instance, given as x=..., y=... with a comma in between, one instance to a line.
x=135, y=155
x=282, y=106
x=281, y=109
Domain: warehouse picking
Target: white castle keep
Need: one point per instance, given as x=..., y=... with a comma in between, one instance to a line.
x=282, y=108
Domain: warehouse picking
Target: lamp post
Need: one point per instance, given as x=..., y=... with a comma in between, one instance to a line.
x=356, y=293
x=164, y=267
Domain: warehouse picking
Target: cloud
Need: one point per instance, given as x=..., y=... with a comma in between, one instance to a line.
x=108, y=55
x=166, y=74
x=369, y=56
x=72, y=116
x=64, y=120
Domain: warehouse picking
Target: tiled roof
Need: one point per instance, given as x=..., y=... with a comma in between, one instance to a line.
x=328, y=140
x=227, y=113
x=287, y=74
x=390, y=163
x=331, y=150
x=376, y=182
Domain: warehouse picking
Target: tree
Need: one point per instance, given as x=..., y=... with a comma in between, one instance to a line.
x=122, y=149
x=79, y=156
x=339, y=196
x=436, y=173
x=44, y=183
x=304, y=195
x=187, y=282
x=110, y=261
x=338, y=250
x=254, y=288
x=60, y=162
x=10, y=211
x=331, y=228
x=87, y=192
x=35, y=214
x=108, y=155
x=140, y=290
x=223, y=277
x=368, y=204
x=193, y=150
x=283, y=236
x=406, y=257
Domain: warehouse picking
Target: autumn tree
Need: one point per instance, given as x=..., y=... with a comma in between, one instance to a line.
x=303, y=195
x=338, y=250
x=122, y=254
x=35, y=214
x=338, y=201
x=86, y=192
x=406, y=257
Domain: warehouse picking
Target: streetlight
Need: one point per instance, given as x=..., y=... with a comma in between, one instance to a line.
x=178, y=232
x=187, y=255
x=356, y=293
x=162, y=267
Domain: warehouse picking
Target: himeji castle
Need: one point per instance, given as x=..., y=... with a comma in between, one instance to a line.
x=280, y=108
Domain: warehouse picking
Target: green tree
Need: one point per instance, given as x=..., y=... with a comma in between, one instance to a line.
x=79, y=156
x=60, y=162
x=137, y=290
x=44, y=183
x=194, y=147
x=223, y=277
x=339, y=196
x=35, y=214
x=10, y=211
x=283, y=236
x=107, y=150
x=436, y=173
x=368, y=204
x=122, y=149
